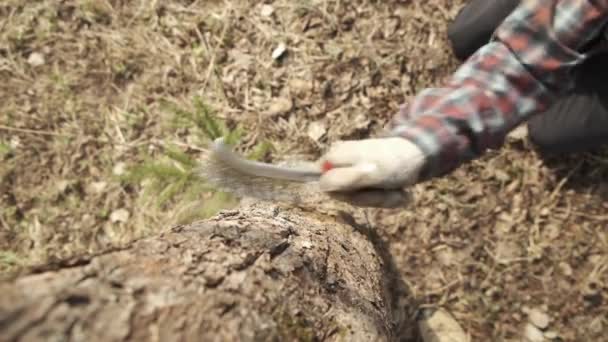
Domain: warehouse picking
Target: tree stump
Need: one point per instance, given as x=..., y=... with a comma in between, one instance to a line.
x=259, y=273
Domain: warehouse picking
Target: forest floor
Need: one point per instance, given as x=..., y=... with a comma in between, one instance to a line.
x=104, y=105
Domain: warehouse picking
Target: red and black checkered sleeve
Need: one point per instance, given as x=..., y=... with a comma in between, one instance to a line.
x=530, y=61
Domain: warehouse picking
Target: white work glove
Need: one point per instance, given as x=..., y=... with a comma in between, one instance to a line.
x=372, y=172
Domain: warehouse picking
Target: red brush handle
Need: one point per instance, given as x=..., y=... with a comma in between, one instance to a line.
x=326, y=166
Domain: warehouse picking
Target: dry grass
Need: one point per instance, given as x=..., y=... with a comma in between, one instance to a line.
x=499, y=235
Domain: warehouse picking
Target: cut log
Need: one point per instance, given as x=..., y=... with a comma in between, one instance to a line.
x=260, y=273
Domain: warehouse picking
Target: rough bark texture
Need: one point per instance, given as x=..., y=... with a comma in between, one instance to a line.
x=258, y=273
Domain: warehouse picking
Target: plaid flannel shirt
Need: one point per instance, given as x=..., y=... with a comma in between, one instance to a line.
x=530, y=61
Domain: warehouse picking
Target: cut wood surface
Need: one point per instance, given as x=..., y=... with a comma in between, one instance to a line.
x=262, y=272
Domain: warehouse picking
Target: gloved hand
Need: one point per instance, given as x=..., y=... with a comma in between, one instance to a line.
x=372, y=172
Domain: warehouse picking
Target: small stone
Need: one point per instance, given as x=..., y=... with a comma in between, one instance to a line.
x=551, y=335
x=14, y=143
x=539, y=318
x=279, y=51
x=596, y=326
x=361, y=121
x=440, y=326
x=62, y=186
x=119, y=169
x=87, y=218
x=566, y=268
x=316, y=130
x=119, y=215
x=533, y=334
x=98, y=187
x=36, y=59
x=306, y=244
x=280, y=106
x=266, y=10
x=300, y=86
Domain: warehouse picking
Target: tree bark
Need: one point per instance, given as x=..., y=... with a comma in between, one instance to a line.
x=260, y=273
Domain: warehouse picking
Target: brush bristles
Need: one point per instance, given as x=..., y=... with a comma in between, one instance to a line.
x=228, y=179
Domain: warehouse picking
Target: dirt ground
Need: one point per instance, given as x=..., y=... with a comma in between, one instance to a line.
x=84, y=88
